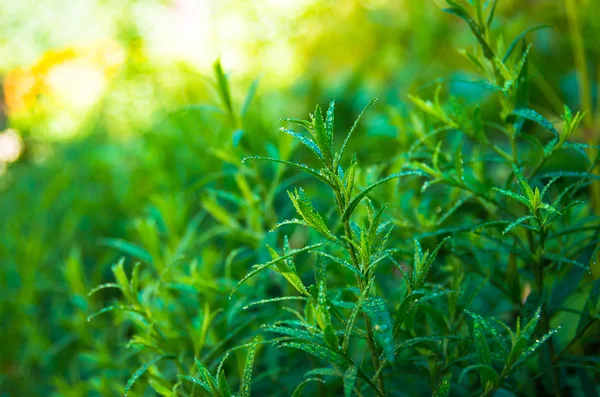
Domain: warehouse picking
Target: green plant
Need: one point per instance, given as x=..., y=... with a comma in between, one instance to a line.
x=447, y=246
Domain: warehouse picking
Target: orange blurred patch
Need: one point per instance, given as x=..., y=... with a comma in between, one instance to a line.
x=22, y=86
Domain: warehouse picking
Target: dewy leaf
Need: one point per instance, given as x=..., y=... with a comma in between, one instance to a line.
x=222, y=384
x=482, y=349
x=350, y=380
x=208, y=378
x=363, y=193
x=527, y=332
x=324, y=141
x=514, y=195
x=247, y=378
x=348, y=180
x=320, y=351
x=517, y=223
x=300, y=388
x=309, y=143
x=514, y=43
x=462, y=13
x=197, y=381
x=382, y=324
x=329, y=121
x=424, y=267
x=534, y=116
x=258, y=268
x=142, y=370
x=356, y=122
x=459, y=163
x=561, y=259
x=290, y=274
x=524, y=185
x=323, y=317
x=485, y=371
x=353, y=314
x=103, y=286
x=529, y=351
x=112, y=308
x=305, y=209
x=343, y=263
x=303, y=167
x=443, y=389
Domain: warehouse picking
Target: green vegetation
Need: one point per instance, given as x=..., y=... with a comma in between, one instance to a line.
x=443, y=245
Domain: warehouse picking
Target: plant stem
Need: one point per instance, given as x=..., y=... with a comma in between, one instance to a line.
x=545, y=316
x=369, y=326
x=356, y=263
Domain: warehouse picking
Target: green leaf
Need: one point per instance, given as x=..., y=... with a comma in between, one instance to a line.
x=103, y=286
x=142, y=370
x=350, y=323
x=286, y=271
x=354, y=126
x=443, y=390
x=425, y=262
x=309, y=143
x=249, y=97
x=208, y=378
x=223, y=86
x=517, y=223
x=258, y=268
x=323, y=317
x=348, y=180
x=350, y=380
x=320, y=351
x=492, y=13
x=300, y=388
x=134, y=250
x=278, y=299
x=112, y=308
x=382, y=324
x=197, y=381
x=222, y=384
x=303, y=167
x=485, y=372
x=329, y=121
x=306, y=210
x=582, y=175
x=590, y=303
x=529, y=351
x=458, y=158
x=514, y=43
x=343, y=263
x=534, y=116
x=482, y=349
x=308, y=336
x=463, y=14
x=561, y=259
x=324, y=140
x=363, y=193
x=514, y=195
x=247, y=378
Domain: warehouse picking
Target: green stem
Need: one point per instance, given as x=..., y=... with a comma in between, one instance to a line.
x=545, y=316
x=370, y=335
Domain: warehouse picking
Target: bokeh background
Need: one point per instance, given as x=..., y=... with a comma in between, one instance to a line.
x=110, y=111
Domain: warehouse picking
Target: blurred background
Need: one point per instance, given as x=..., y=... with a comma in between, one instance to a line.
x=110, y=110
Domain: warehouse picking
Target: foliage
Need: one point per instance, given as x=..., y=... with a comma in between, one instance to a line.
x=286, y=263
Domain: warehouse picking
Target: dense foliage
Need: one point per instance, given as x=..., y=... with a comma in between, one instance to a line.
x=219, y=255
